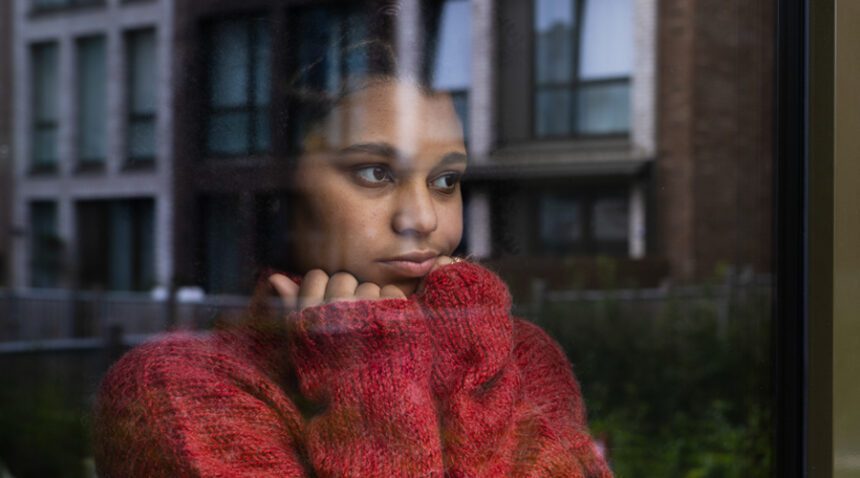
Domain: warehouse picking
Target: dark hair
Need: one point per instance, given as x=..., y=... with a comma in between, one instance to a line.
x=311, y=100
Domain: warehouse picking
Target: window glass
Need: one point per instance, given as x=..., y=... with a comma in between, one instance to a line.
x=116, y=244
x=45, y=105
x=600, y=173
x=239, y=84
x=580, y=89
x=45, y=245
x=142, y=81
x=91, y=100
x=607, y=26
x=452, y=55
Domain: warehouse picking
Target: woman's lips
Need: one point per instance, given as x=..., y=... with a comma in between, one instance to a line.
x=412, y=265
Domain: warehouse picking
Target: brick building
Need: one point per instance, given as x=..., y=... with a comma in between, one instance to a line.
x=92, y=134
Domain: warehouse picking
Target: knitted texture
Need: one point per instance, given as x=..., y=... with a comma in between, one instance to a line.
x=444, y=383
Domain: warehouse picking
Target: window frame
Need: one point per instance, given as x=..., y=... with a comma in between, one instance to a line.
x=575, y=86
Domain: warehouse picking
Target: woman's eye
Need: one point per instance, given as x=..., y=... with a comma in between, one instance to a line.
x=446, y=182
x=374, y=174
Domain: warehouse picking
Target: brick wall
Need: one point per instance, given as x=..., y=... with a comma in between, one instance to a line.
x=713, y=175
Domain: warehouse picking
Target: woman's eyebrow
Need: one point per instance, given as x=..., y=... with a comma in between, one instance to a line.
x=453, y=158
x=377, y=149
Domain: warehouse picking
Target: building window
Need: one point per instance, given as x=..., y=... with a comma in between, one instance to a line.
x=141, y=97
x=595, y=223
x=582, y=64
x=239, y=87
x=45, y=103
x=222, y=246
x=450, y=54
x=40, y=5
x=45, y=245
x=116, y=244
x=329, y=55
x=91, y=102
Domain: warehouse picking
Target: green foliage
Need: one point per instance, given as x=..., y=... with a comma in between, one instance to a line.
x=43, y=424
x=681, y=387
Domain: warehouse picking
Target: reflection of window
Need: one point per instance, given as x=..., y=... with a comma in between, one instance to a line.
x=92, y=108
x=52, y=4
x=450, y=61
x=584, y=224
x=45, y=107
x=222, y=241
x=239, y=84
x=45, y=245
x=116, y=244
x=330, y=52
x=583, y=58
x=141, y=98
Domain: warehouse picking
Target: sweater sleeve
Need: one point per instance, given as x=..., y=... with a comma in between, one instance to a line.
x=366, y=364
x=186, y=406
x=510, y=406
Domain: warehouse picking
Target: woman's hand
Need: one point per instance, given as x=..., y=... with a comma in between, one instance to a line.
x=318, y=288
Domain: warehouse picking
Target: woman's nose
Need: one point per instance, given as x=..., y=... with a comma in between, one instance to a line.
x=415, y=211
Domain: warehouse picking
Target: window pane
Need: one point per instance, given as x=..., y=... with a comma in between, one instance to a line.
x=230, y=64
x=223, y=262
x=560, y=220
x=452, y=68
x=228, y=133
x=604, y=108
x=45, y=245
x=44, y=146
x=92, y=107
x=141, y=72
x=553, y=113
x=262, y=132
x=45, y=82
x=262, y=62
x=141, y=139
x=607, y=39
x=554, y=25
x=120, y=246
x=610, y=219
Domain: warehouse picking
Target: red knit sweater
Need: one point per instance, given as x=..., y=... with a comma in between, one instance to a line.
x=444, y=383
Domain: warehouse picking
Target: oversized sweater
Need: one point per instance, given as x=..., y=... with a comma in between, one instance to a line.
x=444, y=383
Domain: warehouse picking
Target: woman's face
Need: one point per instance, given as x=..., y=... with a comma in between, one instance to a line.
x=379, y=186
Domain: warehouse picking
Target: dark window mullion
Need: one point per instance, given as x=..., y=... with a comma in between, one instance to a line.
x=579, y=11
x=251, y=99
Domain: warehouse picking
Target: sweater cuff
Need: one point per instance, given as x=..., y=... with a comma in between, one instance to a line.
x=334, y=344
x=468, y=316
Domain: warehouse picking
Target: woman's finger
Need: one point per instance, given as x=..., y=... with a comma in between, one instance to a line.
x=391, y=292
x=367, y=291
x=312, y=291
x=341, y=286
x=442, y=261
x=286, y=289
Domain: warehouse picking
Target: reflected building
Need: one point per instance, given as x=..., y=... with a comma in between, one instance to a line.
x=93, y=170
x=593, y=130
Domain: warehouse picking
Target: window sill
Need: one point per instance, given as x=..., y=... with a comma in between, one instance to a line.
x=38, y=12
x=90, y=167
x=584, y=144
x=42, y=170
x=139, y=165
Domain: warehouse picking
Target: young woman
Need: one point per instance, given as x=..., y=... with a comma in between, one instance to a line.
x=397, y=360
